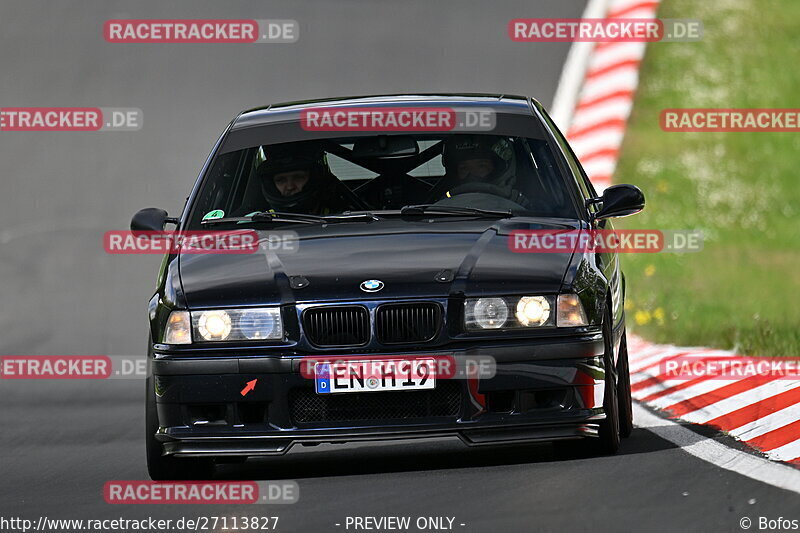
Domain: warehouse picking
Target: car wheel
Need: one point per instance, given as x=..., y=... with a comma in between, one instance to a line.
x=624, y=390
x=608, y=443
x=166, y=468
x=609, y=431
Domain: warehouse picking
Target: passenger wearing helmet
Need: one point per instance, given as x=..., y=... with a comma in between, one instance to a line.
x=481, y=164
x=296, y=179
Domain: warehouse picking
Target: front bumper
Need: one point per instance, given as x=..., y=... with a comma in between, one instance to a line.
x=541, y=391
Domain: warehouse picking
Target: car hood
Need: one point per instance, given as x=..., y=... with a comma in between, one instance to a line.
x=421, y=258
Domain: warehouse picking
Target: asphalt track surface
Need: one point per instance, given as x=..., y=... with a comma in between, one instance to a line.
x=63, y=295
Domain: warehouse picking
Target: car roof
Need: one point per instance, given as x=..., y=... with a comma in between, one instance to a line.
x=287, y=111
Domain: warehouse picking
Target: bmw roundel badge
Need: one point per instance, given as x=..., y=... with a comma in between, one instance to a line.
x=371, y=285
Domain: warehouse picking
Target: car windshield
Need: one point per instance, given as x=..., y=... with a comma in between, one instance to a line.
x=381, y=174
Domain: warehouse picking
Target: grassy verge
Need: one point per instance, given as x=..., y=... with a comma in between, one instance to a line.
x=742, y=189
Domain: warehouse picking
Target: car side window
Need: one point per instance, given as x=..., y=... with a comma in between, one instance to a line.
x=216, y=194
x=545, y=179
x=585, y=186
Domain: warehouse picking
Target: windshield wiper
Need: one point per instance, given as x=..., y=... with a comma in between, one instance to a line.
x=347, y=216
x=433, y=209
x=303, y=218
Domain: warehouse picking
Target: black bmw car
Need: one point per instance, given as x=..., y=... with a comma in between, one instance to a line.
x=386, y=298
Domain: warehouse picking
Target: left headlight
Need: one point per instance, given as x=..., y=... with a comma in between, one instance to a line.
x=237, y=324
x=511, y=312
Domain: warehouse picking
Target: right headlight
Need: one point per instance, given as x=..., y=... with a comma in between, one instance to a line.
x=262, y=323
x=237, y=324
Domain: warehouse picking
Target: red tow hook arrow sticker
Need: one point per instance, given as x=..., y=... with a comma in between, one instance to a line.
x=250, y=386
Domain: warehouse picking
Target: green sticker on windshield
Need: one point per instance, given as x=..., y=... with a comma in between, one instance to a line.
x=216, y=213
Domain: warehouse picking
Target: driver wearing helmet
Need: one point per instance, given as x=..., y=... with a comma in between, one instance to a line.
x=296, y=179
x=481, y=164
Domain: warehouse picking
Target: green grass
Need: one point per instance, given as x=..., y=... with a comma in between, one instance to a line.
x=742, y=189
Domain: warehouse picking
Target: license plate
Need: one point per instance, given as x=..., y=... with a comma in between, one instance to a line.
x=374, y=375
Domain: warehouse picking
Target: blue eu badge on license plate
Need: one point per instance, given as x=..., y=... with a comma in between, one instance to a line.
x=322, y=377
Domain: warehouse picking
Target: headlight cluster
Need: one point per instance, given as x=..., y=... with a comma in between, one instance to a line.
x=523, y=312
x=224, y=325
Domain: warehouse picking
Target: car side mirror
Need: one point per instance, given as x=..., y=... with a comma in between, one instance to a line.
x=151, y=219
x=619, y=201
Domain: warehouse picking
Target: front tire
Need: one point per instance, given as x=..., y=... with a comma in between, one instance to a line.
x=609, y=440
x=624, y=390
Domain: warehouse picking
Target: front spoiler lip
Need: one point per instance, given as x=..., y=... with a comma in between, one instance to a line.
x=279, y=444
